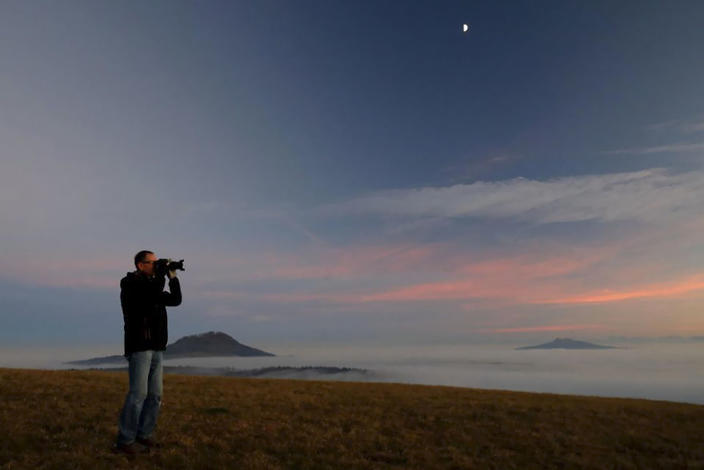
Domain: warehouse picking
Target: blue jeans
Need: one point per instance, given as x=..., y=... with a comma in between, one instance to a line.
x=141, y=408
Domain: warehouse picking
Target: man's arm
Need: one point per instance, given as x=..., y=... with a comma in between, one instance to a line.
x=173, y=298
x=126, y=303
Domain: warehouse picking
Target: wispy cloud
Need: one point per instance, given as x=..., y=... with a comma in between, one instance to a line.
x=530, y=291
x=513, y=278
x=102, y=272
x=531, y=329
x=680, y=147
x=647, y=195
x=658, y=126
x=694, y=127
x=474, y=169
x=682, y=125
x=660, y=290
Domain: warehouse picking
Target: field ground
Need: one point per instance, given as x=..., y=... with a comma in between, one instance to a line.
x=68, y=419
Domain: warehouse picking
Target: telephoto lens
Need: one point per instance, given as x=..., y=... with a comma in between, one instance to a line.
x=174, y=265
x=163, y=265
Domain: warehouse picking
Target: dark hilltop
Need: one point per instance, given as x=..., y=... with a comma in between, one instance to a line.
x=212, y=343
x=567, y=343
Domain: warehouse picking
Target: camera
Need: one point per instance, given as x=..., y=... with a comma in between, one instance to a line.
x=161, y=266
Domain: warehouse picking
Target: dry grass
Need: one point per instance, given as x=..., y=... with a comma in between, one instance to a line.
x=68, y=419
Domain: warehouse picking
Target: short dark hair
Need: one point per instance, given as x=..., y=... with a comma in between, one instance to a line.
x=141, y=256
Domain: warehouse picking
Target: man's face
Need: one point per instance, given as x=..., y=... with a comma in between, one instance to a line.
x=147, y=266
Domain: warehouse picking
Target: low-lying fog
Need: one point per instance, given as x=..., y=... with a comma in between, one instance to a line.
x=662, y=371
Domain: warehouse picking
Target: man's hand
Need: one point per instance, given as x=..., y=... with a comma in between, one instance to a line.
x=170, y=274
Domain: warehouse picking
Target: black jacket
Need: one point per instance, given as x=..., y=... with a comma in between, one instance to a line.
x=144, y=305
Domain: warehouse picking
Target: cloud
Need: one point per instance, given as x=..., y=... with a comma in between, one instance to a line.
x=658, y=126
x=531, y=329
x=695, y=127
x=660, y=290
x=681, y=147
x=682, y=125
x=95, y=272
x=359, y=276
x=647, y=195
x=476, y=169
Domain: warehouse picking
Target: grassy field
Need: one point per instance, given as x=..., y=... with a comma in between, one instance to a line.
x=68, y=419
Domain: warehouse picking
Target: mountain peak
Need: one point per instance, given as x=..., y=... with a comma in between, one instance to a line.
x=211, y=343
x=211, y=334
x=567, y=343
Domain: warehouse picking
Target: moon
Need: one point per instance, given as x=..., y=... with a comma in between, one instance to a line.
x=465, y=28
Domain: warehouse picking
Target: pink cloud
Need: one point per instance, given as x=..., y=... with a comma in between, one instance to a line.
x=432, y=260
x=80, y=271
x=661, y=290
x=350, y=261
x=279, y=297
x=521, y=278
x=529, y=329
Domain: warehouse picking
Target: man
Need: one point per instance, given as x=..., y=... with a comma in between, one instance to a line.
x=144, y=304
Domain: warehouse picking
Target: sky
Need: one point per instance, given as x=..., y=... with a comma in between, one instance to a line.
x=354, y=171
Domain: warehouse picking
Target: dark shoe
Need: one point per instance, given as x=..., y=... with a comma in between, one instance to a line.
x=130, y=449
x=149, y=443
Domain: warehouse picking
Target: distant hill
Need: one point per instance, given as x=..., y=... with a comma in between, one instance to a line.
x=210, y=344
x=567, y=343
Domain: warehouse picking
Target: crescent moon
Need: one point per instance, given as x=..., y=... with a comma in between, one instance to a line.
x=465, y=27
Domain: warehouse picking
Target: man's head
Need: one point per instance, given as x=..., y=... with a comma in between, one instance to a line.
x=144, y=262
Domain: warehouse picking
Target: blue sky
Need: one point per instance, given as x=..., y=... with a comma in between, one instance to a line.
x=354, y=170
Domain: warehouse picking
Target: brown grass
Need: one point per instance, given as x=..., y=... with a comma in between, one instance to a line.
x=68, y=419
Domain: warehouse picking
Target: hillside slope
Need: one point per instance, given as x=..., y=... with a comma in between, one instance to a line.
x=68, y=419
